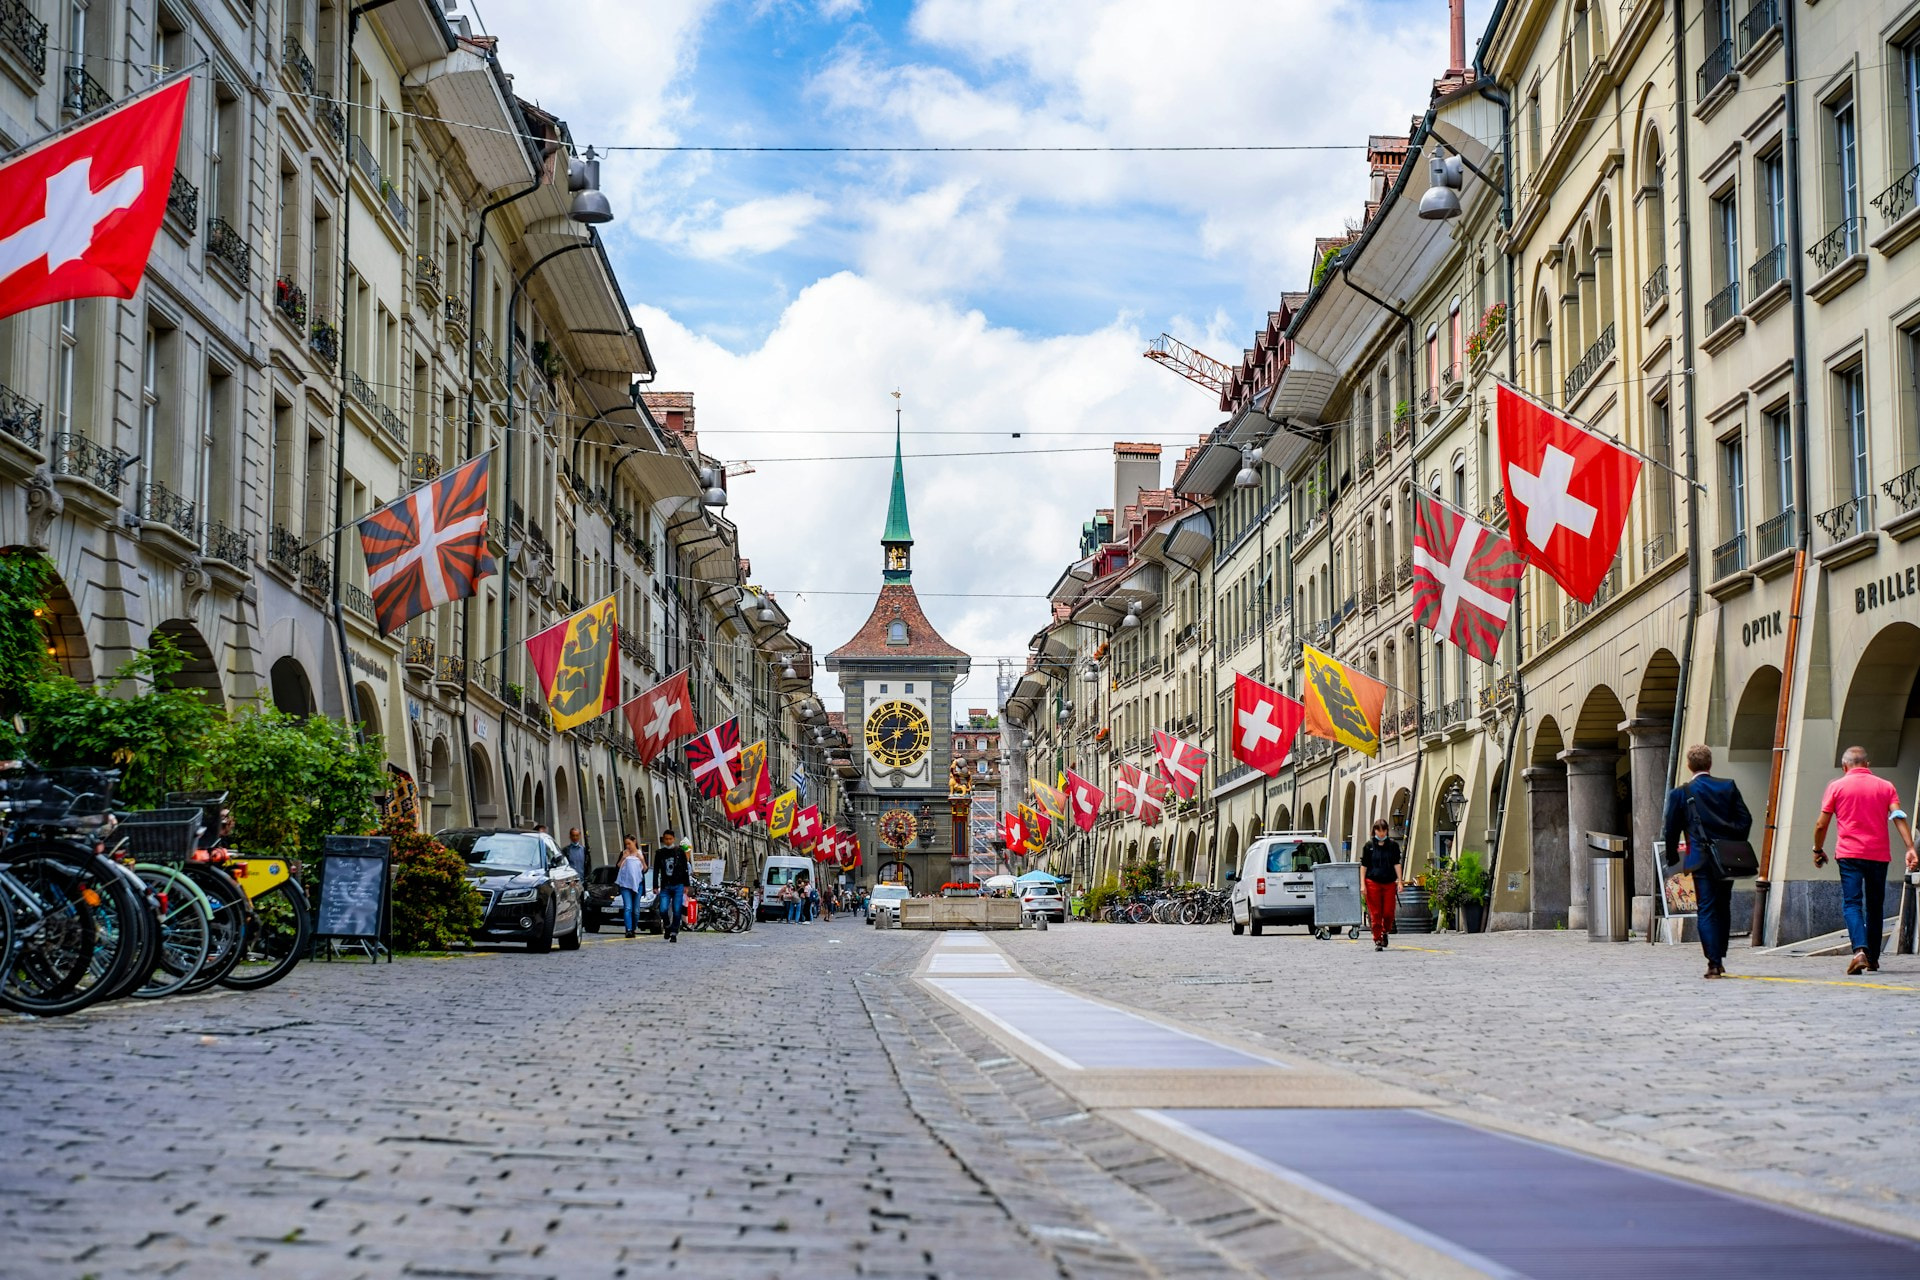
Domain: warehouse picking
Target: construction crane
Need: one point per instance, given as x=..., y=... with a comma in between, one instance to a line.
x=1194, y=366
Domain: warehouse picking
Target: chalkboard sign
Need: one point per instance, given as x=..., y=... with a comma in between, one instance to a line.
x=354, y=898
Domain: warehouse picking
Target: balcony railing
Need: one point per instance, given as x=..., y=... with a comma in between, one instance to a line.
x=389, y=420
x=290, y=300
x=228, y=248
x=1590, y=363
x=308, y=565
x=422, y=467
x=183, y=202
x=229, y=545
x=356, y=599
x=1838, y=245
x=332, y=118
x=452, y=670
x=1904, y=489
x=1369, y=596
x=324, y=338
x=1896, y=200
x=1403, y=572
x=1763, y=17
x=1402, y=426
x=1494, y=513
x=419, y=652
x=1655, y=551
x=1717, y=66
x=1459, y=711
x=1769, y=269
x=1545, y=633
x=1497, y=694
x=1774, y=536
x=74, y=454
x=455, y=310
x=84, y=94
x=426, y=278
x=1723, y=306
x=363, y=157
x=1730, y=556
x=26, y=33
x=1383, y=448
x=20, y=417
x=1575, y=611
x=297, y=64
x=1654, y=289
x=1850, y=519
x=1383, y=590
x=161, y=505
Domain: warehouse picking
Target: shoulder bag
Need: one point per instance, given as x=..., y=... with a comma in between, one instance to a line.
x=1729, y=859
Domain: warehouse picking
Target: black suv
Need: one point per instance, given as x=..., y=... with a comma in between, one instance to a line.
x=529, y=892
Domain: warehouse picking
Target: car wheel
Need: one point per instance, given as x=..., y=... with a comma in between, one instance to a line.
x=571, y=941
x=1238, y=928
x=542, y=942
x=593, y=925
x=1253, y=923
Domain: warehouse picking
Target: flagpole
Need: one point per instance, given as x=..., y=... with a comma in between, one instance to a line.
x=94, y=116
x=319, y=538
x=1616, y=443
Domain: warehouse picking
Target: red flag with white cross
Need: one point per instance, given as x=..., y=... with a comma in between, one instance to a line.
x=660, y=715
x=806, y=828
x=1154, y=802
x=1083, y=801
x=1180, y=763
x=1013, y=832
x=1265, y=722
x=1567, y=493
x=1464, y=578
x=714, y=759
x=78, y=212
x=1130, y=795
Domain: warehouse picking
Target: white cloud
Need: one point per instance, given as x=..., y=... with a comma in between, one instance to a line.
x=758, y=226
x=833, y=10
x=934, y=240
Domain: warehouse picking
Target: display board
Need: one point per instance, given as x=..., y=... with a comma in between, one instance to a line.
x=355, y=889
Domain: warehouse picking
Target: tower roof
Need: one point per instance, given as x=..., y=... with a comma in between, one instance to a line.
x=897, y=603
x=897, y=528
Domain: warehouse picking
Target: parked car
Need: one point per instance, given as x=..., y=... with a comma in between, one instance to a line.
x=1044, y=899
x=604, y=907
x=530, y=893
x=885, y=901
x=1275, y=882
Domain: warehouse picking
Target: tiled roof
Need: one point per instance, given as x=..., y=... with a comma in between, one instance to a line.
x=897, y=600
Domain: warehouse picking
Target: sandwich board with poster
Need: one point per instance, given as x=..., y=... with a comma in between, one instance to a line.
x=356, y=892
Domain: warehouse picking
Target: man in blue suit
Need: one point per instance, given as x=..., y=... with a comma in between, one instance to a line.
x=1717, y=813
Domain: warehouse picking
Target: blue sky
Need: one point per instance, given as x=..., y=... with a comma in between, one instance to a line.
x=791, y=293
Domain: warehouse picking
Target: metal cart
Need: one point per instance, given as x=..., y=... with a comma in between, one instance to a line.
x=1337, y=902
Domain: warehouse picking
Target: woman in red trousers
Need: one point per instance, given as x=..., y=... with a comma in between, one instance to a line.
x=1381, y=859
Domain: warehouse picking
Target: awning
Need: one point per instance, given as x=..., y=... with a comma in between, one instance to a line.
x=467, y=91
x=1141, y=585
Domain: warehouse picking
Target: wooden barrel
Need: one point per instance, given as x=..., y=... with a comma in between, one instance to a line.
x=1413, y=911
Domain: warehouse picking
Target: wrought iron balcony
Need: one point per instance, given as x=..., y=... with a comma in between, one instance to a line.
x=229, y=545
x=1850, y=519
x=161, y=505
x=290, y=300
x=367, y=162
x=1452, y=382
x=332, y=118
x=452, y=670
x=1403, y=572
x=1904, y=489
x=1545, y=634
x=324, y=339
x=1896, y=200
x=1576, y=612
x=356, y=599
x=1654, y=289
x=75, y=455
x=183, y=202
x=1494, y=513
x=1763, y=17
x=1723, y=306
x=419, y=652
x=1729, y=557
x=1769, y=269
x=20, y=417
x=1369, y=597
x=84, y=94
x=1774, y=536
x=422, y=467
x=1838, y=245
x=25, y=33
x=1457, y=712
x=455, y=310
x=227, y=247
x=389, y=420
x=296, y=63
x=426, y=278
x=1590, y=363
x=1383, y=589
x=1655, y=551
x=1715, y=67
x=1383, y=448
x=1402, y=425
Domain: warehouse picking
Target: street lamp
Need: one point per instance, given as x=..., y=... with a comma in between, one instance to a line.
x=1249, y=475
x=1093, y=673
x=1456, y=801
x=1446, y=173
x=589, y=202
x=713, y=486
x=1133, y=615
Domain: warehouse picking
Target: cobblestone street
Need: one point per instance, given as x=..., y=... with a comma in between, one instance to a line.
x=792, y=1102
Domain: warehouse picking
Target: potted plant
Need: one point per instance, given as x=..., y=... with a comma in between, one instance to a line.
x=1470, y=883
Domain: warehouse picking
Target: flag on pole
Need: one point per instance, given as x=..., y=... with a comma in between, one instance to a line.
x=1265, y=722
x=79, y=211
x=743, y=798
x=1567, y=490
x=1013, y=831
x=805, y=832
x=429, y=547
x=1180, y=763
x=1049, y=800
x=827, y=847
x=714, y=758
x=1038, y=824
x=780, y=816
x=1343, y=704
x=1084, y=798
x=660, y=715
x=1130, y=793
x=578, y=662
x=1154, y=802
x=799, y=780
x=1464, y=578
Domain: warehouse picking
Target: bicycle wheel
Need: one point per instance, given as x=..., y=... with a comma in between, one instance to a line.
x=281, y=933
x=232, y=917
x=142, y=925
x=186, y=931
x=78, y=929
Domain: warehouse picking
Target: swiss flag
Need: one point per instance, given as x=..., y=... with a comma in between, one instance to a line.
x=1014, y=832
x=1265, y=722
x=806, y=828
x=1567, y=493
x=827, y=849
x=1180, y=764
x=1083, y=801
x=78, y=213
x=660, y=715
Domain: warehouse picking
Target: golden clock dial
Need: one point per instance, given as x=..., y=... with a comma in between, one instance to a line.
x=898, y=734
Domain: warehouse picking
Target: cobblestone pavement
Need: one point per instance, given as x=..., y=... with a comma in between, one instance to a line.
x=1793, y=1075
x=780, y=1103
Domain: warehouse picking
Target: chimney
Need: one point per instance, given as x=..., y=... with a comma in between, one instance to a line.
x=1135, y=467
x=1457, y=29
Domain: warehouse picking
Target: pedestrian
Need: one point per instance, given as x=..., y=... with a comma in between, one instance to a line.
x=1381, y=859
x=826, y=903
x=576, y=852
x=672, y=872
x=1863, y=802
x=632, y=879
x=790, y=899
x=1707, y=809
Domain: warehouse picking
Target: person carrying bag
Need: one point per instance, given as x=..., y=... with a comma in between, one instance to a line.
x=1716, y=823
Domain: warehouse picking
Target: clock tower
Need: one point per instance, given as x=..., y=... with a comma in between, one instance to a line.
x=896, y=677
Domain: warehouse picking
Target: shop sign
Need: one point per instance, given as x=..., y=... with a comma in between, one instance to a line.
x=1886, y=589
x=366, y=666
x=1764, y=627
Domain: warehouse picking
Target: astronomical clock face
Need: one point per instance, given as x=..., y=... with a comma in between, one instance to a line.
x=898, y=735
x=898, y=828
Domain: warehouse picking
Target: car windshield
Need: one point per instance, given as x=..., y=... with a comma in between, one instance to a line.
x=890, y=891
x=509, y=852
x=1296, y=855
x=783, y=875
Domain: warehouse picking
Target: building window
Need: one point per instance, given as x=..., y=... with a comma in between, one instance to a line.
x=1910, y=101
x=909, y=686
x=1779, y=429
x=1456, y=341
x=150, y=435
x=1433, y=361
x=1660, y=476
x=1726, y=239
x=1771, y=224
x=1733, y=478
x=896, y=633
x=1910, y=391
x=1851, y=411
x=65, y=370
x=1843, y=185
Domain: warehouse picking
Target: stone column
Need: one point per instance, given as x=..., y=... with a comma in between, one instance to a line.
x=1647, y=748
x=1547, y=827
x=1590, y=807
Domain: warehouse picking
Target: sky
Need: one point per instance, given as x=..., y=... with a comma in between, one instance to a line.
x=1001, y=295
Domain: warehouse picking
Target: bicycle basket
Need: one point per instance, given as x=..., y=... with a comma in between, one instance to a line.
x=160, y=835
x=210, y=803
x=46, y=797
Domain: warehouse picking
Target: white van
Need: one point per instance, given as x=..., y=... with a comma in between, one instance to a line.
x=779, y=871
x=1275, y=884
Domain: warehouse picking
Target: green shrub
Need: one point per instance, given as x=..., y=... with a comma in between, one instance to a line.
x=434, y=907
x=293, y=779
x=1139, y=877
x=1100, y=895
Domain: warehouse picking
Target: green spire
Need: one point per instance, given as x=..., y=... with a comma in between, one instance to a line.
x=898, y=538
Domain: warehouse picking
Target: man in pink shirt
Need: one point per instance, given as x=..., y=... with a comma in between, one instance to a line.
x=1863, y=803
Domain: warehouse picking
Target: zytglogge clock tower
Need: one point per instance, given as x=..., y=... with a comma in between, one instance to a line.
x=897, y=676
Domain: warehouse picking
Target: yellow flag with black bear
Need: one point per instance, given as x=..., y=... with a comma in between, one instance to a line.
x=780, y=817
x=578, y=662
x=1342, y=704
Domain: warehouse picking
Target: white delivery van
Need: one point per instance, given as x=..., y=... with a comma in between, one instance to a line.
x=1275, y=884
x=779, y=871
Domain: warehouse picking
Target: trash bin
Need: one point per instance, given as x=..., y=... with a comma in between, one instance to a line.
x=1608, y=879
